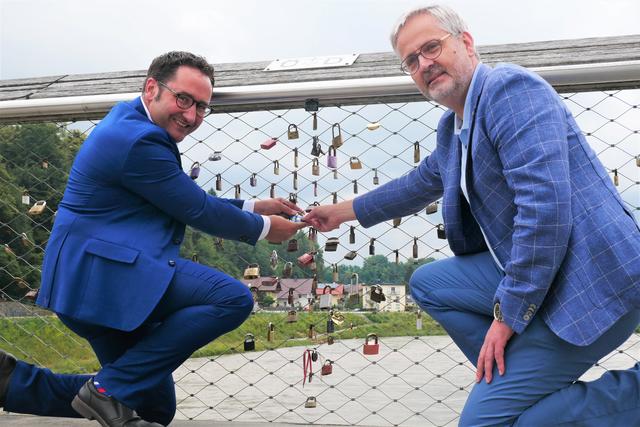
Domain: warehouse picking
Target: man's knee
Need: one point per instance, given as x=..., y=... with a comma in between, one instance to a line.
x=422, y=283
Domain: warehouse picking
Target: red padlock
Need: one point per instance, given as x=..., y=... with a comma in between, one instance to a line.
x=371, y=348
x=327, y=368
x=269, y=143
x=305, y=259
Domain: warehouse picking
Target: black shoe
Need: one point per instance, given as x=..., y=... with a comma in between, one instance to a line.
x=93, y=405
x=7, y=365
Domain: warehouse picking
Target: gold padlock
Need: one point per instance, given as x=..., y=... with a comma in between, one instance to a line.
x=616, y=181
x=292, y=316
x=271, y=332
x=292, y=131
x=416, y=152
x=355, y=163
x=396, y=222
x=315, y=167
x=38, y=207
x=336, y=138
x=334, y=274
x=252, y=271
x=432, y=208
x=276, y=167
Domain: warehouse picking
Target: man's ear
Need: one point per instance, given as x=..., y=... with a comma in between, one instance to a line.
x=151, y=88
x=467, y=39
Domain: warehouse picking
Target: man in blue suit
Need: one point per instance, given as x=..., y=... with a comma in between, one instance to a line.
x=546, y=274
x=112, y=272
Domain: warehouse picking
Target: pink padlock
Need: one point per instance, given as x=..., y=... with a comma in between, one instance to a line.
x=332, y=158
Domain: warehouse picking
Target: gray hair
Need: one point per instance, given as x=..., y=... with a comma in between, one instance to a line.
x=448, y=19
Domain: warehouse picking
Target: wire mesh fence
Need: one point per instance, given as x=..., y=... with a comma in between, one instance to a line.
x=335, y=337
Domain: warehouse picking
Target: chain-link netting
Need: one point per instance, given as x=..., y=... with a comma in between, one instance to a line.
x=334, y=337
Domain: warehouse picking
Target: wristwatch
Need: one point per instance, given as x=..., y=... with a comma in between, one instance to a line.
x=497, y=313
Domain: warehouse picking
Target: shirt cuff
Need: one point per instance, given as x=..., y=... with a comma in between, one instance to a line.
x=248, y=205
x=266, y=227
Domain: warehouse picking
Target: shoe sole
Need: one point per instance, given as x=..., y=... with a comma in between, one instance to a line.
x=85, y=410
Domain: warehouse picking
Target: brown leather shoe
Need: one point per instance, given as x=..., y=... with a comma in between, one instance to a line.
x=93, y=405
x=7, y=365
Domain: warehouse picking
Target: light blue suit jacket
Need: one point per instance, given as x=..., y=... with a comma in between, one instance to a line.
x=570, y=247
x=119, y=226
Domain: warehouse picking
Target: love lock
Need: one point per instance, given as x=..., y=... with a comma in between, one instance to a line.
x=371, y=348
x=311, y=402
x=376, y=294
x=249, y=342
x=292, y=316
x=252, y=272
x=327, y=368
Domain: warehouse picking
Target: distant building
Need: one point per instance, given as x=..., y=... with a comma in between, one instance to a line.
x=279, y=289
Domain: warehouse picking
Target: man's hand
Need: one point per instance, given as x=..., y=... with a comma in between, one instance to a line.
x=329, y=217
x=276, y=206
x=282, y=229
x=495, y=341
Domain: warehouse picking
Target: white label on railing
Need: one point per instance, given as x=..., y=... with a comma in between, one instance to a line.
x=312, y=62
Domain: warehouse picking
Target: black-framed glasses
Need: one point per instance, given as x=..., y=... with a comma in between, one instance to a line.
x=430, y=50
x=185, y=101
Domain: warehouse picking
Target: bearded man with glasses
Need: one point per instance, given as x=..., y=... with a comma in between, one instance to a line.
x=545, y=280
x=112, y=271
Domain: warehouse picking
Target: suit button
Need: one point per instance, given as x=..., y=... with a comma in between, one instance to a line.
x=526, y=317
x=172, y=263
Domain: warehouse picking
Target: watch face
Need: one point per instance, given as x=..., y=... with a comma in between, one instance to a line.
x=497, y=314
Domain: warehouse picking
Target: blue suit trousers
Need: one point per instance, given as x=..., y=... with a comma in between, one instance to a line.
x=540, y=385
x=200, y=304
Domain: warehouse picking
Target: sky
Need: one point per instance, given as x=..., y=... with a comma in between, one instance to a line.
x=52, y=37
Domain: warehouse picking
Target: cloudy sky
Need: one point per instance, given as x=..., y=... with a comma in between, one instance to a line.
x=50, y=37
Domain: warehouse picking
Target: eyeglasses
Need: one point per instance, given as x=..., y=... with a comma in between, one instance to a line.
x=430, y=50
x=185, y=102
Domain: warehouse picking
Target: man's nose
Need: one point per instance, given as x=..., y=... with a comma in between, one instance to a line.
x=190, y=114
x=423, y=64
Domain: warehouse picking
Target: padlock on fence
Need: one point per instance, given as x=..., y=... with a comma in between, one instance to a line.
x=271, y=332
x=371, y=348
x=253, y=180
x=237, y=191
x=325, y=298
x=38, y=207
x=441, y=232
x=268, y=144
x=377, y=294
x=292, y=245
x=252, y=271
x=332, y=158
x=376, y=180
x=290, y=297
x=432, y=208
x=331, y=245
x=418, y=320
x=336, y=136
x=327, y=368
x=312, y=332
x=292, y=316
x=331, y=327
x=215, y=156
x=334, y=273
x=292, y=131
x=305, y=259
x=315, y=167
x=354, y=163
x=249, y=342
x=194, y=172
x=310, y=403
x=316, y=149
x=218, y=182
x=287, y=270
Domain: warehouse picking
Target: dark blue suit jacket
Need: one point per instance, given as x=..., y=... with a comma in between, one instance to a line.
x=119, y=226
x=569, y=245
